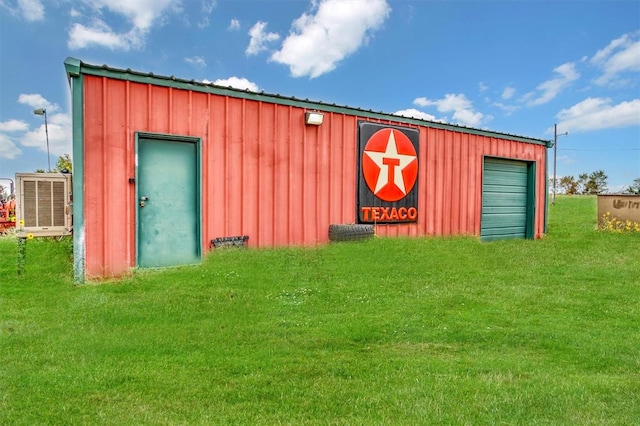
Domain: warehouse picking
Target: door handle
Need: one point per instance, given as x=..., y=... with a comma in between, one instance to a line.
x=143, y=200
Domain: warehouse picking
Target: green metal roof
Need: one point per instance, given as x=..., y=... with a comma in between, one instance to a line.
x=76, y=67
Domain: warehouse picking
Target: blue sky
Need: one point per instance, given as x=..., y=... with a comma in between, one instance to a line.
x=511, y=66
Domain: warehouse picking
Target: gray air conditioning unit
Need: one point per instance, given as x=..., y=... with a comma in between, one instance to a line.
x=43, y=204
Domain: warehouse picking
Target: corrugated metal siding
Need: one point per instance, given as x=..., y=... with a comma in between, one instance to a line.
x=270, y=177
x=451, y=182
x=265, y=174
x=106, y=192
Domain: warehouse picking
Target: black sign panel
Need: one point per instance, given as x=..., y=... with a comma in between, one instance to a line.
x=387, y=173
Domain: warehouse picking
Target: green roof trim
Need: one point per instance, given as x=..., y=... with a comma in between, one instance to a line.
x=76, y=67
x=72, y=65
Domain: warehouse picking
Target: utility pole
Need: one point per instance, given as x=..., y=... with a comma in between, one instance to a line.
x=555, y=157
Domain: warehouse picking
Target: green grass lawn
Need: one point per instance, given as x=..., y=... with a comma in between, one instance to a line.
x=387, y=331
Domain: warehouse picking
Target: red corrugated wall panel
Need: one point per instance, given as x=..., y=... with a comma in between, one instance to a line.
x=106, y=159
x=451, y=182
x=264, y=173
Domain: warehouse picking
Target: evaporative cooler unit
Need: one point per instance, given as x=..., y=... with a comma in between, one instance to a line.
x=44, y=204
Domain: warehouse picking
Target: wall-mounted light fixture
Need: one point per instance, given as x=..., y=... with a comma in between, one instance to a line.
x=313, y=118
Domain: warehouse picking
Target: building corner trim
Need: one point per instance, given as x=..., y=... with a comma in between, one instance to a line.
x=74, y=75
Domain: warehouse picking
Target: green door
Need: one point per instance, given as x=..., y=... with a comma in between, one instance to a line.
x=506, y=206
x=168, y=220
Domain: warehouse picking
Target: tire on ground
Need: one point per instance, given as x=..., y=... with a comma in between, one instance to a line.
x=350, y=232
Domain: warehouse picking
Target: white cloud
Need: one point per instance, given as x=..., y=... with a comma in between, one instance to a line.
x=13, y=126
x=603, y=54
x=141, y=14
x=236, y=82
x=58, y=126
x=35, y=100
x=234, y=25
x=414, y=113
x=508, y=93
x=620, y=56
x=461, y=107
x=259, y=38
x=508, y=109
x=197, y=61
x=467, y=117
x=8, y=149
x=207, y=8
x=318, y=42
x=599, y=113
x=546, y=91
x=483, y=87
x=99, y=34
x=60, y=136
x=31, y=10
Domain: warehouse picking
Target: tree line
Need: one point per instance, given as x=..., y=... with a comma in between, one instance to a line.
x=64, y=165
x=590, y=184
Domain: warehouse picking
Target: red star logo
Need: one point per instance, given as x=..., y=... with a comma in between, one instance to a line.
x=390, y=164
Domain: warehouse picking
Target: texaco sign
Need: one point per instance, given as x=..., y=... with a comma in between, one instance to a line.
x=388, y=174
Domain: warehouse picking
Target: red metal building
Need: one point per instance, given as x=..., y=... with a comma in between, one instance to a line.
x=162, y=166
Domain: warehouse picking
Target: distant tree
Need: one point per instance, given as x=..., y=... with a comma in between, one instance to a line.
x=551, y=185
x=64, y=163
x=635, y=187
x=3, y=193
x=587, y=183
x=582, y=183
x=596, y=183
x=569, y=185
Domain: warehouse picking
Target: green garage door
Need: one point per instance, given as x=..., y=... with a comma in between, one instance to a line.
x=506, y=199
